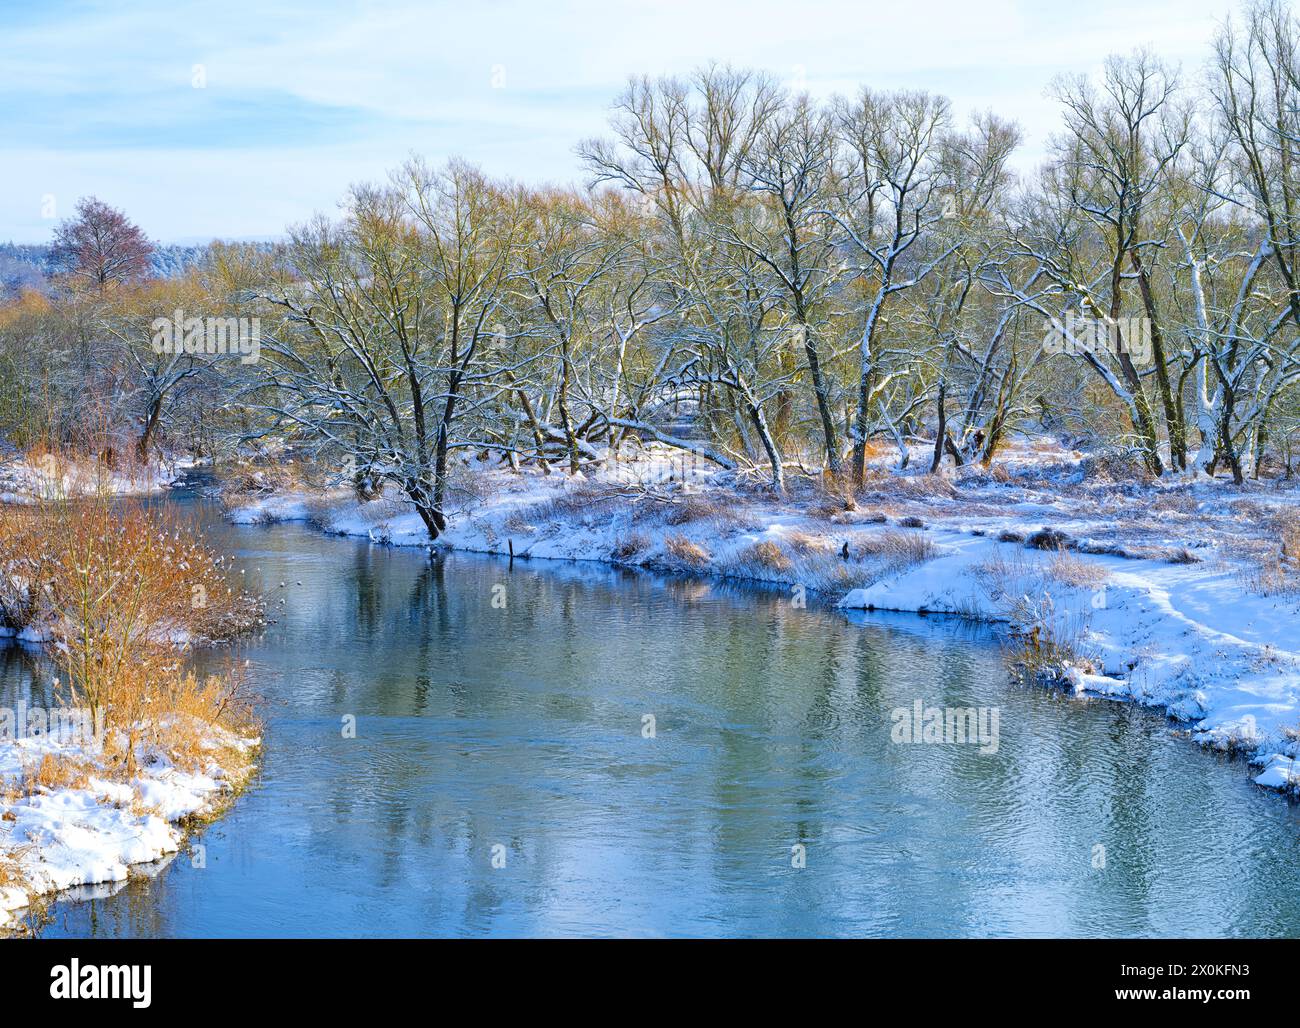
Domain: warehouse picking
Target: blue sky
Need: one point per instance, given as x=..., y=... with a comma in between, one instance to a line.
x=299, y=100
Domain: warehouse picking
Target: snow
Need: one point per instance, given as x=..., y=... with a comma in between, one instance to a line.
x=24, y=480
x=1186, y=637
x=67, y=837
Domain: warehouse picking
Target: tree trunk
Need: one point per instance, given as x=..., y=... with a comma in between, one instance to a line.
x=1174, y=425
x=941, y=432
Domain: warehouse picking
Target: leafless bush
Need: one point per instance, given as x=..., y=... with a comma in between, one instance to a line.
x=1069, y=569
x=1045, y=643
x=629, y=546
x=900, y=550
x=695, y=508
x=686, y=553
x=767, y=555
x=1120, y=465
x=120, y=585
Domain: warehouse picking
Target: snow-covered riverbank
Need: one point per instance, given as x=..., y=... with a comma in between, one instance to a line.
x=67, y=820
x=1174, y=595
x=28, y=479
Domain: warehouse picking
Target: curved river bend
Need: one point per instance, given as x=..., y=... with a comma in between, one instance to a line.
x=517, y=736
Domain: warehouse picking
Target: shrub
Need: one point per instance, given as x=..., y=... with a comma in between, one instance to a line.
x=1047, y=539
x=629, y=546
x=20, y=593
x=1118, y=465
x=685, y=552
x=899, y=549
x=1069, y=569
x=768, y=555
x=122, y=586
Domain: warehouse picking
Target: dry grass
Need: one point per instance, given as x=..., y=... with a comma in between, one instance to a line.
x=1043, y=641
x=190, y=707
x=901, y=549
x=804, y=543
x=629, y=546
x=1288, y=534
x=52, y=773
x=768, y=556
x=1069, y=569
x=1273, y=568
x=121, y=586
x=693, y=509
x=919, y=487
x=833, y=496
x=577, y=502
x=11, y=869
x=686, y=553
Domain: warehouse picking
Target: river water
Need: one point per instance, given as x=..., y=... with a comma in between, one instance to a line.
x=505, y=778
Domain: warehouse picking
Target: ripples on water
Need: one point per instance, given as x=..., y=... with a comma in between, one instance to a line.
x=522, y=728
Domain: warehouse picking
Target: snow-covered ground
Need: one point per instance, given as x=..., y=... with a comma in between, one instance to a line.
x=1159, y=586
x=25, y=480
x=90, y=829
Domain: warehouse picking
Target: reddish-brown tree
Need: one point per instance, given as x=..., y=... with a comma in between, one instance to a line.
x=101, y=244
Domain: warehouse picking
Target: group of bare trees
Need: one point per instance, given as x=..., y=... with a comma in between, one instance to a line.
x=773, y=283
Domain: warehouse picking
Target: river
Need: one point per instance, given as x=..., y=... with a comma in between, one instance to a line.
x=505, y=776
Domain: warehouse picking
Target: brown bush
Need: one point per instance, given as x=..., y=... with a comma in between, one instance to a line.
x=629, y=546
x=20, y=592
x=700, y=508
x=121, y=586
x=769, y=555
x=900, y=550
x=685, y=552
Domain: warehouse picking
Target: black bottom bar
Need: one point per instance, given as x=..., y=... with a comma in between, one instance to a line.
x=252, y=978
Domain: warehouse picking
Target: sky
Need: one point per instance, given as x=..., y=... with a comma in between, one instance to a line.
x=235, y=119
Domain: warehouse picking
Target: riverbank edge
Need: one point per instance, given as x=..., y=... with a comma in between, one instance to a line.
x=1225, y=673
x=144, y=833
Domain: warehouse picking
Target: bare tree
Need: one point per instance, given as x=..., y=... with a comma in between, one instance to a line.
x=101, y=244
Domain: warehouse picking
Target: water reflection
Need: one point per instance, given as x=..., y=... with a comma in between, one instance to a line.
x=521, y=728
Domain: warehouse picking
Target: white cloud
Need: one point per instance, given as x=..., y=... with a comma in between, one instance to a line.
x=418, y=76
